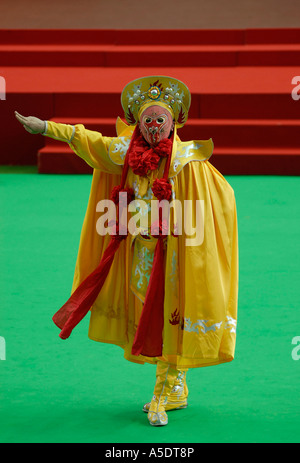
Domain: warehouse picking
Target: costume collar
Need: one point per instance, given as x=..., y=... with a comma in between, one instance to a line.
x=182, y=153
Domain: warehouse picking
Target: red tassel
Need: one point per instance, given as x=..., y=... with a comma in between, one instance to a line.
x=148, y=337
x=78, y=305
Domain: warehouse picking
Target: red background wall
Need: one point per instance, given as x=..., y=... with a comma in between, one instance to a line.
x=149, y=14
x=240, y=73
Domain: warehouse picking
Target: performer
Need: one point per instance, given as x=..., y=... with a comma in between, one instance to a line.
x=167, y=292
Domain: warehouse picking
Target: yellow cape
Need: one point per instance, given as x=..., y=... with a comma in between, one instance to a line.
x=201, y=280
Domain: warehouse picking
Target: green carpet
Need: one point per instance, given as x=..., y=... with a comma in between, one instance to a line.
x=82, y=391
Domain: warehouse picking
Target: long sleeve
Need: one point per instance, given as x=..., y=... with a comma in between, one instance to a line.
x=91, y=146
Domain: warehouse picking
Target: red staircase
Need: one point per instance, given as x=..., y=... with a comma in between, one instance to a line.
x=240, y=80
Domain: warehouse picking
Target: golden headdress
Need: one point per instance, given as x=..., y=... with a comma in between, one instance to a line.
x=164, y=91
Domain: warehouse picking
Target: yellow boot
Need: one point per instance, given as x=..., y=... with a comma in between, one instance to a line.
x=179, y=393
x=178, y=396
x=165, y=380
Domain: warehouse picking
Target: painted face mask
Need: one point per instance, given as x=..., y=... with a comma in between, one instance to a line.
x=156, y=124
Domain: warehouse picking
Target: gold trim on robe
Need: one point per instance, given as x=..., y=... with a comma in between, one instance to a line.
x=201, y=280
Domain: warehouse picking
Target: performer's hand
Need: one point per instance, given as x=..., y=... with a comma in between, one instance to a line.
x=31, y=124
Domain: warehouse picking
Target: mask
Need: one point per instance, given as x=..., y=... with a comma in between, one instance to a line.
x=156, y=124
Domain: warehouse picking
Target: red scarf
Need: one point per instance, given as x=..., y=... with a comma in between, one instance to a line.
x=148, y=339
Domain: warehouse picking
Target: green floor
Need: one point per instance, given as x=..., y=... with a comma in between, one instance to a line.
x=82, y=391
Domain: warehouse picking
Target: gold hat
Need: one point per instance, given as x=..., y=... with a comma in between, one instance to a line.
x=162, y=90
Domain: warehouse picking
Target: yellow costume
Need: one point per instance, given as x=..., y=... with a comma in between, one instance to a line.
x=201, y=269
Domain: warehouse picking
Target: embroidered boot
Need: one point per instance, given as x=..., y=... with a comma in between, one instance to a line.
x=178, y=396
x=179, y=393
x=165, y=380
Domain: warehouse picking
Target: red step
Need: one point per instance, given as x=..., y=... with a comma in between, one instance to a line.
x=134, y=36
x=61, y=160
x=240, y=92
x=253, y=133
x=225, y=132
x=21, y=148
x=152, y=37
x=219, y=105
x=239, y=97
x=105, y=55
x=230, y=161
x=257, y=161
x=129, y=48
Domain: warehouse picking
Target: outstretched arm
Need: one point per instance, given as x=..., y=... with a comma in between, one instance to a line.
x=91, y=146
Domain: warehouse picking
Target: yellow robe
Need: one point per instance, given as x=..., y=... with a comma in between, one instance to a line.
x=201, y=280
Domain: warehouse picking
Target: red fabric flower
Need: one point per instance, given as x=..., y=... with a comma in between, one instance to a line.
x=143, y=159
x=162, y=189
x=149, y=161
x=163, y=149
x=114, y=196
